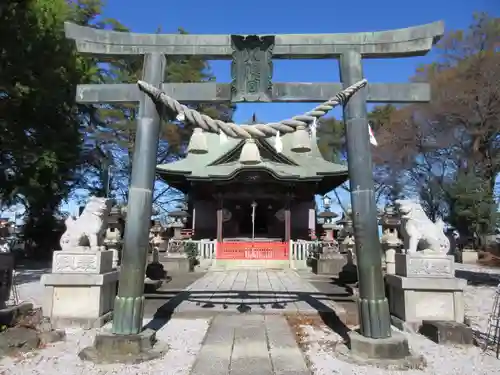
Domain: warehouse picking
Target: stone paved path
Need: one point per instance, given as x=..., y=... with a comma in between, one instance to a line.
x=250, y=344
x=249, y=291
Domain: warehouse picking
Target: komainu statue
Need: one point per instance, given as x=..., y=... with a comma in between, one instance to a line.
x=419, y=232
x=89, y=228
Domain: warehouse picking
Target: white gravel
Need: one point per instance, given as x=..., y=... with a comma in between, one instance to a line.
x=31, y=292
x=479, y=298
x=441, y=359
x=184, y=336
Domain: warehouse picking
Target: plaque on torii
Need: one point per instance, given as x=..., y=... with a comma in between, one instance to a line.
x=252, y=68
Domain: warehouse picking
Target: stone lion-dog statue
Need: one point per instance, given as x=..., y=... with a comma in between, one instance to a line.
x=419, y=232
x=89, y=228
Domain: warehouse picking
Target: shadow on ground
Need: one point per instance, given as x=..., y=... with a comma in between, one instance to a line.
x=246, y=302
x=28, y=276
x=28, y=270
x=478, y=278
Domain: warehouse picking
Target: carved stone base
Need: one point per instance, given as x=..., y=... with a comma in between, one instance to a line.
x=111, y=348
x=82, y=261
x=424, y=265
x=176, y=265
x=414, y=299
x=390, y=261
x=6, y=273
x=447, y=332
x=115, y=248
x=81, y=300
x=331, y=266
x=469, y=257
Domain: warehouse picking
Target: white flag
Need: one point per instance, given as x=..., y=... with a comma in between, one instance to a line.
x=373, y=141
x=222, y=137
x=314, y=127
x=278, y=145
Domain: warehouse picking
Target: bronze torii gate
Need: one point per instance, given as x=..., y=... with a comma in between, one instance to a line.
x=255, y=84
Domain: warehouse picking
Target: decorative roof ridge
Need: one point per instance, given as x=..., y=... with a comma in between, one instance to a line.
x=264, y=144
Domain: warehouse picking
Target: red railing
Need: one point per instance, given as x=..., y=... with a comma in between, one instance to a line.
x=252, y=250
x=187, y=233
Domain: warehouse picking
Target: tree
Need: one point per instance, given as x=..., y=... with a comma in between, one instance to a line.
x=40, y=138
x=332, y=145
x=447, y=152
x=112, y=127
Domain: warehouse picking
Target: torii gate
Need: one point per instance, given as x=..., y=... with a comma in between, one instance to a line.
x=255, y=85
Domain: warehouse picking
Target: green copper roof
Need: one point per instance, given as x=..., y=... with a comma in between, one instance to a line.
x=222, y=161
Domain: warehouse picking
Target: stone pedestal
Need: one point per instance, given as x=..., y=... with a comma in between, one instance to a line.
x=6, y=273
x=329, y=266
x=391, y=245
x=328, y=227
x=348, y=246
x=425, y=265
x=425, y=288
x=81, y=289
x=115, y=247
x=176, y=264
x=178, y=227
x=469, y=257
x=390, y=261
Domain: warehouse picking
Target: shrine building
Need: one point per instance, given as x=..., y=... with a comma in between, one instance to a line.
x=248, y=196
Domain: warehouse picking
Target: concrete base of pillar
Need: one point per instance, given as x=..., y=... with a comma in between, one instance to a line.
x=129, y=349
x=390, y=353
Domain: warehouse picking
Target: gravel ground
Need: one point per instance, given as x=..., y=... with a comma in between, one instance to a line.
x=184, y=336
x=479, y=298
x=30, y=292
x=441, y=359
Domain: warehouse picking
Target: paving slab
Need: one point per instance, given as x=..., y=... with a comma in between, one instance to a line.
x=269, y=291
x=171, y=288
x=250, y=344
x=253, y=291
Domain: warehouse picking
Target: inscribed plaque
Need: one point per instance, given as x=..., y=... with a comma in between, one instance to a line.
x=251, y=68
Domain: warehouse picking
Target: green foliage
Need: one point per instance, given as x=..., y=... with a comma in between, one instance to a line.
x=40, y=138
x=447, y=152
x=112, y=127
x=472, y=206
x=331, y=139
x=191, y=249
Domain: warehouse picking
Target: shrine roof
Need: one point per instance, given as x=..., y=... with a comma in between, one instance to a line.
x=222, y=161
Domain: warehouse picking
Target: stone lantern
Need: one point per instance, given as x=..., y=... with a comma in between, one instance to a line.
x=6, y=271
x=113, y=239
x=346, y=235
x=156, y=228
x=156, y=238
x=329, y=261
x=327, y=217
x=7, y=232
x=179, y=219
x=390, y=241
x=155, y=270
x=328, y=224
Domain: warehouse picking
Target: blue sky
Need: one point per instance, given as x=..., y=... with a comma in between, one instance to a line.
x=294, y=17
